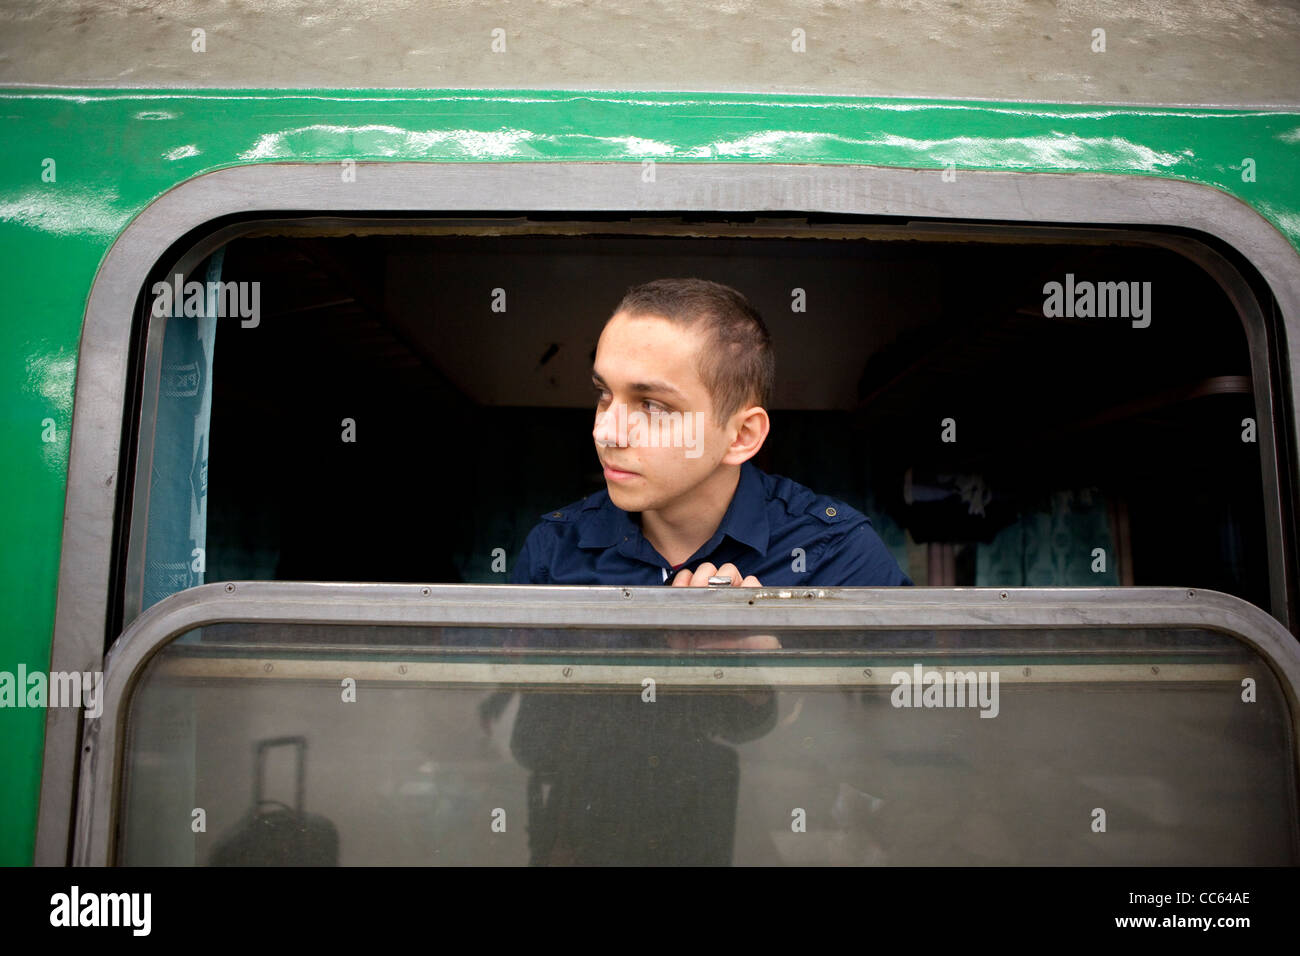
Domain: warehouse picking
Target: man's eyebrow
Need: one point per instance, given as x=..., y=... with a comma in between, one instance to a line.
x=655, y=387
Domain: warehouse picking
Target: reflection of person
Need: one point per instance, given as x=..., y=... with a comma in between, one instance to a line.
x=683, y=375
x=616, y=780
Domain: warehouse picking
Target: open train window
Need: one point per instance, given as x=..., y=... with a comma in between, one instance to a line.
x=1010, y=407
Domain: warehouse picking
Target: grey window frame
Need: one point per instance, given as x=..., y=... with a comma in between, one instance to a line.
x=981, y=196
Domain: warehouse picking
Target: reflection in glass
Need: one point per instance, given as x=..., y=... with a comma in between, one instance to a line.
x=572, y=746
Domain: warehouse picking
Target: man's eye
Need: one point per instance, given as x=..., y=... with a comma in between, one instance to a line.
x=654, y=406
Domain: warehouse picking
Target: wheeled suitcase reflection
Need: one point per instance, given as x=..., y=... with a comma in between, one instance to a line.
x=273, y=834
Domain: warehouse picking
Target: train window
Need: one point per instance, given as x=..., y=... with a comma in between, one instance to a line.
x=1009, y=408
x=1014, y=734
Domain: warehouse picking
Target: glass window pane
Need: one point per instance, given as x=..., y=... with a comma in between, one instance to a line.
x=425, y=745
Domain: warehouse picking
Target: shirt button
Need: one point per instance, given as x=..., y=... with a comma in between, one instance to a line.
x=830, y=512
x=557, y=514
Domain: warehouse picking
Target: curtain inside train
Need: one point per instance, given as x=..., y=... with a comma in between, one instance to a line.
x=176, y=542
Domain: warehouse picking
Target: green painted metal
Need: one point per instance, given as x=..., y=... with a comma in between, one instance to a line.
x=115, y=151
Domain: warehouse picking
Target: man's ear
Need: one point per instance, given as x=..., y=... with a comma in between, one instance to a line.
x=752, y=426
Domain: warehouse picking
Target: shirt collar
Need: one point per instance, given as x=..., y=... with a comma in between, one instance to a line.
x=745, y=519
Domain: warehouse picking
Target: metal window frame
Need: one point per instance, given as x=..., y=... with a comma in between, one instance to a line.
x=499, y=605
x=270, y=188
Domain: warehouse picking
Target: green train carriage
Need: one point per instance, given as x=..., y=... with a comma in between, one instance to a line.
x=1112, y=532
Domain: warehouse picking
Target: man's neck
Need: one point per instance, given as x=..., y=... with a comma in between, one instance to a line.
x=681, y=529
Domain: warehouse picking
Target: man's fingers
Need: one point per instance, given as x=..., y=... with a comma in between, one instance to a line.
x=729, y=570
x=700, y=579
x=750, y=642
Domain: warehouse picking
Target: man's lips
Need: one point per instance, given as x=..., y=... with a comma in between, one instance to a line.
x=617, y=474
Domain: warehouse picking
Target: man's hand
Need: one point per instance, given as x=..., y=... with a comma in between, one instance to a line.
x=699, y=578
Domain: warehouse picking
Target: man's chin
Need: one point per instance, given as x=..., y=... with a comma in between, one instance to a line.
x=624, y=498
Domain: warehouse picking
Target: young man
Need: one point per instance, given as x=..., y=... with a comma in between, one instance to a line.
x=683, y=375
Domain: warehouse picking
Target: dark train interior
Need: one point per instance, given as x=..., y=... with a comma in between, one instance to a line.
x=1072, y=433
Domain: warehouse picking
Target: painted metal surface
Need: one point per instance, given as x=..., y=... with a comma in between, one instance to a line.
x=79, y=165
x=1220, y=52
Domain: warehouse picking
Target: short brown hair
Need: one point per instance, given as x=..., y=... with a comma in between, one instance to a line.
x=737, y=365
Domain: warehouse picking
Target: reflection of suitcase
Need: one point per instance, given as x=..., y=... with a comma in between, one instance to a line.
x=272, y=834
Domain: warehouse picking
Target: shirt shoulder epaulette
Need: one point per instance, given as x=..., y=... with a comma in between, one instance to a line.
x=800, y=500
x=571, y=512
x=831, y=512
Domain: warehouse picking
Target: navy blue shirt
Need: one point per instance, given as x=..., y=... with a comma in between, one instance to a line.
x=775, y=529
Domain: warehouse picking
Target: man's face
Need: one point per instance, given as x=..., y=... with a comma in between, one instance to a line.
x=663, y=442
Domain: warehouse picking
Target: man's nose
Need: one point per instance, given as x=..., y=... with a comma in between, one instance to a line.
x=605, y=431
